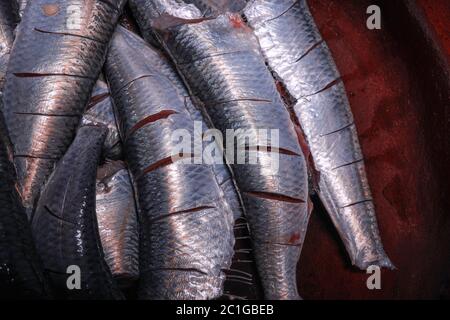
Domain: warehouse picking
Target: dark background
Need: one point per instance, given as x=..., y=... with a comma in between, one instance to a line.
x=398, y=84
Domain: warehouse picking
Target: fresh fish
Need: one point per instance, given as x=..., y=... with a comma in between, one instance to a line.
x=117, y=222
x=301, y=60
x=221, y=64
x=21, y=273
x=58, y=53
x=65, y=226
x=186, y=229
x=100, y=111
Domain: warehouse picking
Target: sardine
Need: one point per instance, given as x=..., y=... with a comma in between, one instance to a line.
x=186, y=229
x=100, y=111
x=59, y=50
x=220, y=62
x=65, y=226
x=117, y=222
x=301, y=60
x=21, y=271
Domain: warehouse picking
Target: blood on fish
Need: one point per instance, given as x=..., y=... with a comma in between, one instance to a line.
x=237, y=22
x=295, y=238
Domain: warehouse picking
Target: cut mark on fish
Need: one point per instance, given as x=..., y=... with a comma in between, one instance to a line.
x=212, y=56
x=166, y=21
x=309, y=50
x=284, y=12
x=177, y=269
x=164, y=114
x=216, y=103
x=96, y=100
x=271, y=149
x=136, y=79
x=356, y=203
x=273, y=196
x=338, y=130
x=175, y=213
x=163, y=163
x=348, y=164
x=47, y=114
x=328, y=86
x=50, y=212
x=69, y=34
x=110, y=4
x=281, y=244
x=50, y=9
x=38, y=74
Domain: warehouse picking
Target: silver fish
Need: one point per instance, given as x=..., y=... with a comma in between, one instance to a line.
x=186, y=229
x=56, y=58
x=65, y=226
x=100, y=111
x=301, y=60
x=220, y=62
x=117, y=222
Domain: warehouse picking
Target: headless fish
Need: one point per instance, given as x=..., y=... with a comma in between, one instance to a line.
x=301, y=60
x=65, y=226
x=56, y=58
x=117, y=222
x=186, y=229
x=220, y=62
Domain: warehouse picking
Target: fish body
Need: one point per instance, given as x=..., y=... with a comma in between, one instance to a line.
x=21, y=272
x=220, y=62
x=100, y=112
x=301, y=60
x=56, y=58
x=117, y=222
x=186, y=229
x=65, y=227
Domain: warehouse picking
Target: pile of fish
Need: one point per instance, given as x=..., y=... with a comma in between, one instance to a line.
x=94, y=204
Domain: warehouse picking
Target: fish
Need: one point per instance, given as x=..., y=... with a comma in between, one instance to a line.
x=302, y=63
x=65, y=227
x=186, y=228
x=100, y=111
x=21, y=270
x=117, y=222
x=58, y=53
x=221, y=64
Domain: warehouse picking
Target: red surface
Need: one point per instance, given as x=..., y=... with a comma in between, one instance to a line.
x=402, y=115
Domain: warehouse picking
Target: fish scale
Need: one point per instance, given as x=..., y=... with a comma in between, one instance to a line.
x=65, y=226
x=301, y=60
x=48, y=88
x=100, y=111
x=117, y=222
x=185, y=226
x=220, y=62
